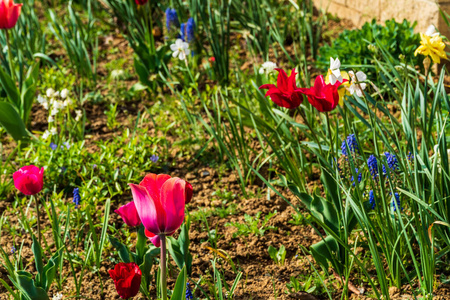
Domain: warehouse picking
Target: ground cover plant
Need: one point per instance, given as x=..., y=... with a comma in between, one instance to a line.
x=220, y=150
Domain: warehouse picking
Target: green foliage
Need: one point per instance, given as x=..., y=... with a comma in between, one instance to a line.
x=361, y=46
x=253, y=225
x=278, y=256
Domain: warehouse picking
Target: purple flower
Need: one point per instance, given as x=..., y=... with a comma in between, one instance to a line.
x=53, y=146
x=190, y=30
x=373, y=166
x=171, y=18
x=352, y=145
x=154, y=158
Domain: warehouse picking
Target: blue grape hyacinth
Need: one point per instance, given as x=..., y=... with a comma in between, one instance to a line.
x=359, y=176
x=172, y=21
x=373, y=166
x=372, y=199
x=189, y=294
x=352, y=145
x=190, y=30
x=76, y=197
x=392, y=162
x=396, y=202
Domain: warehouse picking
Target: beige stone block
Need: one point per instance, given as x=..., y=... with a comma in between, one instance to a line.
x=368, y=9
x=343, y=12
x=324, y=4
x=423, y=11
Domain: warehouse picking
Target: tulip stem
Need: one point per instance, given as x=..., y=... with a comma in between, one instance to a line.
x=163, y=267
x=38, y=219
x=10, y=58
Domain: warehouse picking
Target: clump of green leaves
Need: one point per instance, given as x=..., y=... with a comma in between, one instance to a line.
x=252, y=225
x=359, y=47
x=295, y=285
x=277, y=255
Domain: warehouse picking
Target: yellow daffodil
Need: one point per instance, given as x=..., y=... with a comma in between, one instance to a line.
x=432, y=46
x=342, y=89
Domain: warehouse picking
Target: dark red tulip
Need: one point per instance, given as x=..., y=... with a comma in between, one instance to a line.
x=141, y=2
x=285, y=93
x=127, y=279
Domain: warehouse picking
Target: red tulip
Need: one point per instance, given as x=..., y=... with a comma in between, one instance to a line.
x=160, y=201
x=324, y=97
x=141, y=2
x=286, y=94
x=29, y=179
x=129, y=214
x=9, y=13
x=127, y=279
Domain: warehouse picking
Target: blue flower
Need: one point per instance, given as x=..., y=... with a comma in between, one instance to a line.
x=359, y=176
x=53, y=146
x=76, y=197
x=190, y=30
x=392, y=162
x=372, y=199
x=171, y=18
x=189, y=294
x=154, y=158
x=410, y=156
x=13, y=250
x=396, y=202
x=352, y=145
x=373, y=166
x=183, y=31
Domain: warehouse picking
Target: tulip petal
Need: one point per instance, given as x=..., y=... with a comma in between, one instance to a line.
x=153, y=183
x=129, y=214
x=173, y=202
x=282, y=80
x=189, y=192
x=155, y=239
x=267, y=86
x=149, y=209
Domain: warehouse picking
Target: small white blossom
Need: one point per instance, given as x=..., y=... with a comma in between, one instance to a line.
x=41, y=99
x=53, y=131
x=68, y=102
x=117, y=74
x=79, y=115
x=58, y=296
x=180, y=49
x=267, y=67
x=334, y=73
x=357, y=86
x=45, y=105
x=431, y=31
x=64, y=93
x=50, y=92
x=51, y=119
x=56, y=94
x=45, y=135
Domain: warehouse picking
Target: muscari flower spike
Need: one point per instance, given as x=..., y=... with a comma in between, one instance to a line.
x=76, y=197
x=373, y=166
x=189, y=294
x=392, y=162
x=372, y=199
x=352, y=145
x=396, y=202
x=359, y=176
x=190, y=30
x=171, y=18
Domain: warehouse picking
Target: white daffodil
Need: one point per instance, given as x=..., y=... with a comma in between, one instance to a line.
x=64, y=93
x=267, y=67
x=357, y=86
x=431, y=31
x=334, y=74
x=180, y=49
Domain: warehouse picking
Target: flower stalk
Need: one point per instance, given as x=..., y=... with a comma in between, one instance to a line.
x=163, y=267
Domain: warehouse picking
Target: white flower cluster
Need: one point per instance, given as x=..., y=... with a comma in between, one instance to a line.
x=57, y=296
x=55, y=102
x=267, y=67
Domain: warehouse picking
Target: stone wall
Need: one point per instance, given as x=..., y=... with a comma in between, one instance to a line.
x=425, y=12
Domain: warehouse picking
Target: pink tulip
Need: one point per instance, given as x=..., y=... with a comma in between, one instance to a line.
x=29, y=179
x=9, y=13
x=129, y=214
x=160, y=201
